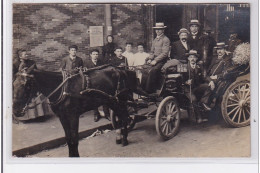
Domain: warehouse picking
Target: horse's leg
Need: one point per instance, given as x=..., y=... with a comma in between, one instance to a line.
x=70, y=127
x=74, y=135
x=124, y=133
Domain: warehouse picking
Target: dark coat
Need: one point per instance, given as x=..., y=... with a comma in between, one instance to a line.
x=218, y=67
x=116, y=61
x=195, y=75
x=108, y=52
x=68, y=64
x=89, y=64
x=178, y=51
x=196, y=43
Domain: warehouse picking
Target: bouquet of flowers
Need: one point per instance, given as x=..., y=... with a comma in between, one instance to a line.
x=241, y=54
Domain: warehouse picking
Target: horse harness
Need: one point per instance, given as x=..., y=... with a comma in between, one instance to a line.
x=86, y=84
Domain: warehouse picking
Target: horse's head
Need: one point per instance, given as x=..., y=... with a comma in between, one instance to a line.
x=22, y=91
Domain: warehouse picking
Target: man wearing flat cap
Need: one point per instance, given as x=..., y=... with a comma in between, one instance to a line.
x=180, y=48
x=158, y=56
x=220, y=63
x=71, y=61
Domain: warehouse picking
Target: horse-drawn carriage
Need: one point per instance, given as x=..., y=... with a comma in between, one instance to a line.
x=85, y=89
x=233, y=100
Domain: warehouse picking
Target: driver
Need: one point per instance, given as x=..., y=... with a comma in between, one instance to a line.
x=158, y=56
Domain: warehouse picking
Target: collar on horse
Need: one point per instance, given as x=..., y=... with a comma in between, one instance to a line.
x=83, y=72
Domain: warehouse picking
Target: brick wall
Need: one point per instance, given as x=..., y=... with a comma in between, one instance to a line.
x=46, y=30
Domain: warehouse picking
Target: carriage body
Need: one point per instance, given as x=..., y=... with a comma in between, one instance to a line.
x=235, y=92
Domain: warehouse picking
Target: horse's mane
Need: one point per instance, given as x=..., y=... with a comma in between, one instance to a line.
x=49, y=73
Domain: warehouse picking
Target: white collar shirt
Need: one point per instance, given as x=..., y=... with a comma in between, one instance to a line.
x=130, y=57
x=139, y=58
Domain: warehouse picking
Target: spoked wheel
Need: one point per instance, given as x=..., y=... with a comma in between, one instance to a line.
x=167, y=120
x=235, y=105
x=131, y=119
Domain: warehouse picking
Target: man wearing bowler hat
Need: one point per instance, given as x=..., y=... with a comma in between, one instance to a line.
x=194, y=79
x=158, y=56
x=180, y=48
x=220, y=63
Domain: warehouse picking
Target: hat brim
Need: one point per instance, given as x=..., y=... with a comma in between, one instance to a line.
x=188, y=54
x=183, y=32
x=220, y=47
x=159, y=27
x=192, y=23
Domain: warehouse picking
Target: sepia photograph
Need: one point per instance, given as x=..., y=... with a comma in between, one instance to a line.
x=128, y=80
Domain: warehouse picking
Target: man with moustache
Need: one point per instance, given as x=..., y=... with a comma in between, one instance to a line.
x=179, y=51
x=194, y=39
x=220, y=63
x=180, y=48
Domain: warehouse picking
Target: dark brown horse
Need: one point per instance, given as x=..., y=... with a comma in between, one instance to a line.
x=100, y=88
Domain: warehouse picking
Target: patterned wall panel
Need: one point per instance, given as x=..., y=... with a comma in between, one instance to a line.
x=46, y=30
x=128, y=24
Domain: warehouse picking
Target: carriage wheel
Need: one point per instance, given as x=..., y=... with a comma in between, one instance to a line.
x=235, y=105
x=131, y=122
x=167, y=119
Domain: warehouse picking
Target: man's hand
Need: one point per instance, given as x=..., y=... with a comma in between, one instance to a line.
x=149, y=61
x=188, y=82
x=200, y=62
x=153, y=62
x=212, y=85
x=214, y=77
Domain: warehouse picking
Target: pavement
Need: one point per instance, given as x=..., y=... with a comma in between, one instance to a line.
x=44, y=133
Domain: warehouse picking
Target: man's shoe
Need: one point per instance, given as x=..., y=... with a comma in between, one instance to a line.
x=97, y=117
x=206, y=107
x=108, y=117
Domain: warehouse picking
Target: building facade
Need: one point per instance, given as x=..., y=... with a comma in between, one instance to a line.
x=46, y=30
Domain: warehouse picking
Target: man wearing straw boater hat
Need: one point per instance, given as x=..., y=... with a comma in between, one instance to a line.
x=220, y=63
x=158, y=56
x=195, y=36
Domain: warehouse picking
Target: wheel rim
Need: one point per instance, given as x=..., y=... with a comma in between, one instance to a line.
x=169, y=118
x=238, y=104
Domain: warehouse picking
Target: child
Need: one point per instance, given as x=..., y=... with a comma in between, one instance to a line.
x=119, y=59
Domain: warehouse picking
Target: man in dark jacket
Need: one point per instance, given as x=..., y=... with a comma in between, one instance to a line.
x=91, y=62
x=119, y=60
x=195, y=36
x=71, y=61
x=216, y=74
x=180, y=48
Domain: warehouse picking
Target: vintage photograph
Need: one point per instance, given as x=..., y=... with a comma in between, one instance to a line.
x=131, y=80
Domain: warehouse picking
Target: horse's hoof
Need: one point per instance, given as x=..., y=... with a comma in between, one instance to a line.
x=124, y=142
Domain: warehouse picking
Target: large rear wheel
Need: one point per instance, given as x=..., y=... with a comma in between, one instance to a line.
x=235, y=105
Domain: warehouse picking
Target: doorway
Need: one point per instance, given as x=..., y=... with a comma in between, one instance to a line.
x=171, y=15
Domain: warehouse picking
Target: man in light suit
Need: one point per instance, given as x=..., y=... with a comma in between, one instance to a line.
x=158, y=57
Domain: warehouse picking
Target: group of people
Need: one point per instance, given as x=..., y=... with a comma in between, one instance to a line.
x=162, y=55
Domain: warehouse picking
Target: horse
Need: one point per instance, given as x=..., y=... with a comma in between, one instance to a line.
x=79, y=92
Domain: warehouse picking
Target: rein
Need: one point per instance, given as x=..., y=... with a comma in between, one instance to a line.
x=54, y=91
x=82, y=71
